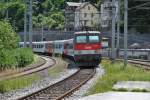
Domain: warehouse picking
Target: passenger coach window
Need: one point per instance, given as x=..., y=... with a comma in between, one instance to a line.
x=81, y=39
x=93, y=38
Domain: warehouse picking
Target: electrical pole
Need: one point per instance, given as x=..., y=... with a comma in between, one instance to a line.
x=118, y=29
x=42, y=32
x=7, y=10
x=113, y=31
x=25, y=25
x=30, y=24
x=125, y=31
x=14, y=24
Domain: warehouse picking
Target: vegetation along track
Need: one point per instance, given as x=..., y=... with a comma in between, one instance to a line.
x=29, y=70
x=145, y=64
x=63, y=88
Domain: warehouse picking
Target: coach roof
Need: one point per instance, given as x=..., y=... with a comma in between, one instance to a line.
x=80, y=32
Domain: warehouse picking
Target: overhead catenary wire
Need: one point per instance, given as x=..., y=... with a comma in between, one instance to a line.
x=135, y=7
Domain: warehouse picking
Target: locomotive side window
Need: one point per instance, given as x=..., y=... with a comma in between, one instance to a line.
x=93, y=39
x=81, y=39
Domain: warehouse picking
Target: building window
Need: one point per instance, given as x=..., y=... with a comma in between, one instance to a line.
x=85, y=22
x=92, y=15
x=85, y=14
x=88, y=7
x=91, y=22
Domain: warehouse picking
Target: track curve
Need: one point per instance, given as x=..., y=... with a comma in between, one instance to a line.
x=31, y=70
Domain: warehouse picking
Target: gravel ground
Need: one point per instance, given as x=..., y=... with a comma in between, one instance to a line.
x=84, y=89
x=13, y=95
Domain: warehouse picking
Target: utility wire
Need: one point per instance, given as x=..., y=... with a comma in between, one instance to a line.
x=135, y=7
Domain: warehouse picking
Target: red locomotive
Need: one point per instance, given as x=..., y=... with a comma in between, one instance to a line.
x=87, y=48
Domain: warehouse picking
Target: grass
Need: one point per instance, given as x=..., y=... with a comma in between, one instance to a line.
x=10, y=70
x=21, y=82
x=140, y=90
x=114, y=73
x=17, y=83
x=36, y=58
x=58, y=67
x=133, y=90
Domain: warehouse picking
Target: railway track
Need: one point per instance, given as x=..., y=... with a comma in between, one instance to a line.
x=145, y=64
x=27, y=71
x=140, y=60
x=63, y=88
x=141, y=63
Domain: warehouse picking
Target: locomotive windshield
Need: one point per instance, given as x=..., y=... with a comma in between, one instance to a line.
x=81, y=39
x=87, y=38
x=93, y=39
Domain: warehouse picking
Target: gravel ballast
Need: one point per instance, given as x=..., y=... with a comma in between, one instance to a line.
x=84, y=89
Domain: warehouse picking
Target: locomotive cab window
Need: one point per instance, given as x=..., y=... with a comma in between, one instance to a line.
x=93, y=39
x=81, y=39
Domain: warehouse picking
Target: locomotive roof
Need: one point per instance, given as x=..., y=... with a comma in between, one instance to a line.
x=83, y=32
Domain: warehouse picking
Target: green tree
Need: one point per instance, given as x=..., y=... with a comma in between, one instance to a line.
x=15, y=12
x=53, y=5
x=59, y=20
x=8, y=38
x=50, y=10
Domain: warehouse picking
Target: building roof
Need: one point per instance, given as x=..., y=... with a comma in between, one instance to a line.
x=82, y=5
x=78, y=5
x=74, y=4
x=135, y=45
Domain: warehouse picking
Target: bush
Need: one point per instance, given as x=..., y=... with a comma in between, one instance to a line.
x=15, y=58
x=8, y=38
x=10, y=56
x=24, y=56
x=6, y=59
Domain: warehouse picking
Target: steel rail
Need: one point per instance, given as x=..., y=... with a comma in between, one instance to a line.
x=63, y=88
x=25, y=72
x=145, y=64
x=24, y=69
x=142, y=64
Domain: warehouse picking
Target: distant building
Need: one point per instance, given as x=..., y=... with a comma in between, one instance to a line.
x=106, y=12
x=79, y=15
